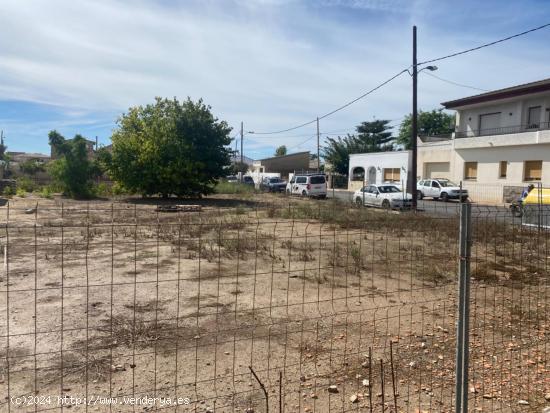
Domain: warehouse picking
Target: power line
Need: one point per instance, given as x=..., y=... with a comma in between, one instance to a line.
x=337, y=109
x=455, y=83
x=301, y=143
x=485, y=45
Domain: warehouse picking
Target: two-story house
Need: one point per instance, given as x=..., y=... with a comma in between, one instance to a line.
x=501, y=143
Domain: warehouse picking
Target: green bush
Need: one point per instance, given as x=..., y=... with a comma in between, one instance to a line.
x=224, y=187
x=8, y=191
x=26, y=184
x=21, y=193
x=118, y=189
x=46, y=192
x=103, y=190
x=73, y=171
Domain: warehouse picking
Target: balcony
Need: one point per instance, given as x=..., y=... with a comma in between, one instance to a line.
x=506, y=130
x=505, y=136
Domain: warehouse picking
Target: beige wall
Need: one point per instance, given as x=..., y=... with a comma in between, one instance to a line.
x=488, y=187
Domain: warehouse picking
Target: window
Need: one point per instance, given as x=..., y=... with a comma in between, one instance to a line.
x=301, y=180
x=358, y=174
x=532, y=170
x=392, y=174
x=489, y=123
x=470, y=170
x=533, y=117
x=503, y=169
x=435, y=184
x=318, y=179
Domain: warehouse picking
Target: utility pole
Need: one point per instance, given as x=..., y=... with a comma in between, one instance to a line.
x=318, y=159
x=242, y=155
x=414, y=127
x=242, y=135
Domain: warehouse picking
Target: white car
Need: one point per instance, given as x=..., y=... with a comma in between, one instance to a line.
x=308, y=185
x=385, y=196
x=439, y=188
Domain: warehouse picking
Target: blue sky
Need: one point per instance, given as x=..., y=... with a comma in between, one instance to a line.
x=76, y=66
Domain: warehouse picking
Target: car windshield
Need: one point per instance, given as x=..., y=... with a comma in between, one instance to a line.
x=446, y=183
x=275, y=180
x=317, y=179
x=387, y=189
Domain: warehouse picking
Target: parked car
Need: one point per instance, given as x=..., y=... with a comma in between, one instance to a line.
x=439, y=188
x=231, y=179
x=385, y=196
x=308, y=185
x=273, y=184
x=247, y=180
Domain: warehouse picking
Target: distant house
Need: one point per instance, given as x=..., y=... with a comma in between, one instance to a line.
x=379, y=168
x=283, y=165
x=500, y=145
x=18, y=158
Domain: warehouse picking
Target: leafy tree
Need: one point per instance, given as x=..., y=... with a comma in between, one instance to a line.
x=239, y=166
x=375, y=136
x=73, y=171
x=3, y=147
x=280, y=151
x=170, y=148
x=372, y=136
x=435, y=122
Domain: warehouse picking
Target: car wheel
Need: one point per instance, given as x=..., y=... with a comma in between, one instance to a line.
x=322, y=197
x=304, y=193
x=444, y=197
x=419, y=195
x=358, y=201
x=386, y=204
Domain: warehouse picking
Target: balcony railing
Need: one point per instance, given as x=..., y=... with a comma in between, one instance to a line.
x=504, y=130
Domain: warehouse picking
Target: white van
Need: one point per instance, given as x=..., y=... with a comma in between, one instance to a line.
x=310, y=185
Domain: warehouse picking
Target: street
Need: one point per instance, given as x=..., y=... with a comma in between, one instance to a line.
x=432, y=207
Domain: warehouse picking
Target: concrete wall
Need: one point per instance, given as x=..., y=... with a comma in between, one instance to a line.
x=379, y=161
x=489, y=187
x=514, y=112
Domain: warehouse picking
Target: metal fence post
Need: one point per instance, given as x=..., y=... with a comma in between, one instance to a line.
x=462, y=331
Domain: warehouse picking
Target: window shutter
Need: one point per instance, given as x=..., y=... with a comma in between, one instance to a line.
x=470, y=170
x=533, y=170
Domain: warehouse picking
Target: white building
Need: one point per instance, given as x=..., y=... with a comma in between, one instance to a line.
x=500, y=145
x=378, y=168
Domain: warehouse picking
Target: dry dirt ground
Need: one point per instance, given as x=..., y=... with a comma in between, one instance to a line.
x=108, y=301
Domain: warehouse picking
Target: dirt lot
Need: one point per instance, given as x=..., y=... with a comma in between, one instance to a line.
x=118, y=300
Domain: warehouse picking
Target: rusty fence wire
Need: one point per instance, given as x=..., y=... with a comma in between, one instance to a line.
x=255, y=306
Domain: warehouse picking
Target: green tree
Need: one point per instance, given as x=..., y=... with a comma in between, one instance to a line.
x=73, y=171
x=372, y=136
x=435, y=122
x=280, y=151
x=170, y=148
x=239, y=166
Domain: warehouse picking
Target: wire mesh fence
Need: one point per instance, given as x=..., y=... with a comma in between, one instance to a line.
x=254, y=306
